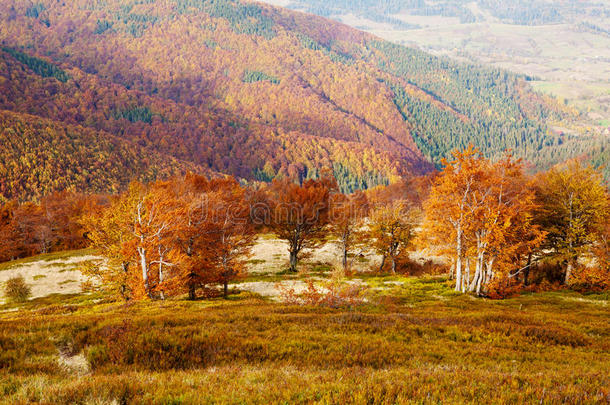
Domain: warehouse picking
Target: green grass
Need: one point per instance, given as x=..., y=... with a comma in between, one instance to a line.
x=256, y=261
x=414, y=341
x=320, y=268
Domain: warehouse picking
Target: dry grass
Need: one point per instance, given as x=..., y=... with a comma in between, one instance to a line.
x=414, y=341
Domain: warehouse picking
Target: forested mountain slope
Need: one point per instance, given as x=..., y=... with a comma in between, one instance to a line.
x=563, y=45
x=40, y=156
x=254, y=91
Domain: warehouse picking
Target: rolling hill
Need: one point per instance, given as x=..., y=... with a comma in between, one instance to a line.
x=244, y=89
x=564, y=44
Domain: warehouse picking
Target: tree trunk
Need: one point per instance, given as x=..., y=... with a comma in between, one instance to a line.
x=123, y=288
x=526, y=272
x=482, y=275
x=473, y=285
x=393, y=265
x=192, y=292
x=466, y=278
x=569, y=269
x=382, y=263
x=344, y=258
x=144, y=266
x=458, y=261
x=490, y=273
x=226, y=289
x=293, y=262
x=161, y=294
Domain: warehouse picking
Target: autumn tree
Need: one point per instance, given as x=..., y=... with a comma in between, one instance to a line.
x=446, y=209
x=483, y=211
x=347, y=214
x=108, y=230
x=137, y=233
x=171, y=237
x=9, y=245
x=216, y=232
x=391, y=231
x=299, y=214
x=504, y=238
x=155, y=218
x=573, y=210
x=596, y=277
x=62, y=210
x=233, y=230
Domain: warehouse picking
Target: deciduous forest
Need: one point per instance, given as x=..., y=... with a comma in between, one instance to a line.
x=499, y=230
x=266, y=93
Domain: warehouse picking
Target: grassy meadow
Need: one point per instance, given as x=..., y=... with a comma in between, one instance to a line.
x=410, y=340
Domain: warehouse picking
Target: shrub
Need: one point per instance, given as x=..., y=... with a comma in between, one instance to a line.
x=412, y=267
x=596, y=279
x=333, y=294
x=16, y=289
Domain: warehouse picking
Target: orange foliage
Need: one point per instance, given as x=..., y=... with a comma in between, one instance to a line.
x=299, y=213
x=481, y=213
x=174, y=237
x=29, y=229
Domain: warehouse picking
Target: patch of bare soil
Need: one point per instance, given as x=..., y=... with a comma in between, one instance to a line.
x=60, y=276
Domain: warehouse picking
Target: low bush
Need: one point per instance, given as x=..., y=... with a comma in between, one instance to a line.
x=17, y=290
x=333, y=294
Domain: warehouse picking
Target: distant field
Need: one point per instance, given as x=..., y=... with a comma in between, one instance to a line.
x=577, y=63
x=591, y=97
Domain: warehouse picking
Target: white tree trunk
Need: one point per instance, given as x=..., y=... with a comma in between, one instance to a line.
x=144, y=267
x=466, y=276
x=569, y=269
x=458, y=260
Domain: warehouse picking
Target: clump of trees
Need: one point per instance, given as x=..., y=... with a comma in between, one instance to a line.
x=500, y=229
x=173, y=237
x=300, y=213
x=495, y=223
x=51, y=225
x=573, y=209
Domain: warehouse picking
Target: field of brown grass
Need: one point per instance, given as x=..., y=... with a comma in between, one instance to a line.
x=408, y=340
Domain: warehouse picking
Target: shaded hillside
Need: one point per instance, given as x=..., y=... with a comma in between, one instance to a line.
x=258, y=92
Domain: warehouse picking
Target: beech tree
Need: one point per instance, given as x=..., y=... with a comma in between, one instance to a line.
x=347, y=214
x=233, y=231
x=483, y=210
x=172, y=237
x=446, y=209
x=299, y=214
x=391, y=231
x=573, y=210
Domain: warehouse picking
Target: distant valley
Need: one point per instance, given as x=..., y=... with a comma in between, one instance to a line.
x=564, y=45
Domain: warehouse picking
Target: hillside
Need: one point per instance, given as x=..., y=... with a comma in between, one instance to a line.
x=564, y=44
x=40, y=156
x=256, y=91
x=416, y=340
